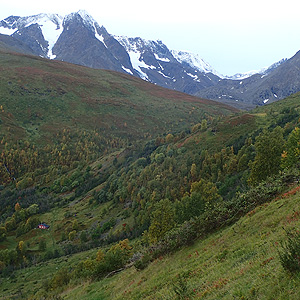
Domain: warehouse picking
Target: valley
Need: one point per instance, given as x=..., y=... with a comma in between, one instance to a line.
x=113, y=187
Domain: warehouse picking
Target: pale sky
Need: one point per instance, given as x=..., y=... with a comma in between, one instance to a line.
x=233, y=35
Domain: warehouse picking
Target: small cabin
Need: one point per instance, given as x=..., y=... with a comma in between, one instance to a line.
x=43, y=226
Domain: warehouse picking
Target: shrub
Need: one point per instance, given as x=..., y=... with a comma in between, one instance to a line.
x=61, y=278
x=289, y=255
x=143, y=262
x=115, y=258
x=72, y=235
x=2, y=233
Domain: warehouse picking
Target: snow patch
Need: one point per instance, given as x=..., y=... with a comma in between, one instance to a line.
x=7, y=31
x=51, y=31
x=161, y=58
x=50, y=25
x=98, y=36
x=137, y=64
x=195, y=77
x=127, y=70
x=161, y=73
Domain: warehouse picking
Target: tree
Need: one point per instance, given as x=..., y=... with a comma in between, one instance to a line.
x=204, y=125
x=207, y=189
x=83, y=237
x=2, y=233
x=291, y=155
x=33, y=209
x=162, y=220
x=75, y=225
x=100, y=255
x=17, y=207
x=203, y=196
x=193, y=171
x=72, y=235
x=22, y=247
x=268, y=147
x=169, y=138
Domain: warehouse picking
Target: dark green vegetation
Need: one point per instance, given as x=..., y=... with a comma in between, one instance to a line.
x=132, y=177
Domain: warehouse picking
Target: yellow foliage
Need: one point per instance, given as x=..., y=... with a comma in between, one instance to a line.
x=88, y=264
x=100, y=255
x=125, y=244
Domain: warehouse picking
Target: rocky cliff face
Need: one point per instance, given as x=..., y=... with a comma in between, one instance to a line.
x=154, y=62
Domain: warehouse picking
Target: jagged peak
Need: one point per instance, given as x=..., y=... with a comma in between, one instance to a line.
x=136, y=43
x=85, y=16
x=193, y=60
x=13, y=23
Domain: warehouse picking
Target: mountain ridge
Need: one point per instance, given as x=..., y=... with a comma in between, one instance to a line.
x=78, y=38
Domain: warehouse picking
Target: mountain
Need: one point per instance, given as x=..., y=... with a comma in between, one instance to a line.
x=157, y=64
x=274, y=83
x=194, y=61
x=79, y=39
x=263, y=71
x=76, y=38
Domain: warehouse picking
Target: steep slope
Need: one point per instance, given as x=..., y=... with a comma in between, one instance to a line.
x=90, y=203
x=194, y=61
x=156, y=63
x=238, y=262
x=39, y=32
x=10, y=44
x=76, y=38
x=43, y=94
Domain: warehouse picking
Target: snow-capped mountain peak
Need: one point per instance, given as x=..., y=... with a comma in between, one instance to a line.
x=145, y=54
x=88, y=20
x=49, y=24
x=194, y=61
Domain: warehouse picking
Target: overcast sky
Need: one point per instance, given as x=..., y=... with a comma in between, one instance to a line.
x=233, y=35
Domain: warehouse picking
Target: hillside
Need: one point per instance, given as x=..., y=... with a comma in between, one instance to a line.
x=128, y=176
x=10, y=44
x=44, y=96
x=238, y=262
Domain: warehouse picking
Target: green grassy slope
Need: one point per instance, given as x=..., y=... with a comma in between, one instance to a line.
x=238, y=262
x=39, y=97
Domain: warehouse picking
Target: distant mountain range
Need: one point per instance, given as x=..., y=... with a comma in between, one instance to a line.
x=77, y=38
